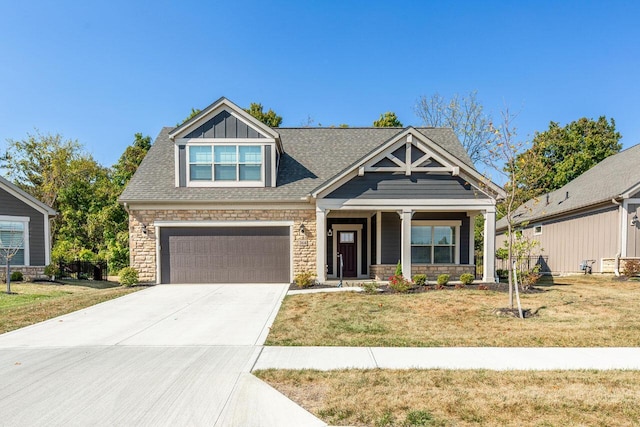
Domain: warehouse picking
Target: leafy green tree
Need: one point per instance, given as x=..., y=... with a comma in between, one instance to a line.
x=387, y=120
x=270, y=118
x=465, y=115
x=561, y=154
x=130, y=160
x=194, y=112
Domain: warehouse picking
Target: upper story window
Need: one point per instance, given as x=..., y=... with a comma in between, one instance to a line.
x=225, y=163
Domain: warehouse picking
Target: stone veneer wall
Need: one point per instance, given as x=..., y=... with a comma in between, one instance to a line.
x=384, y=271
x=609, y=264
x=29, y=273
x=143, y=247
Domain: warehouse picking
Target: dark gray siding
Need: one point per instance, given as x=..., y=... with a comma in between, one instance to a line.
x=267, y=166
x=391, y=237
x=375, y=185
x=182, y=162
x=224, y=125
x=10, y=205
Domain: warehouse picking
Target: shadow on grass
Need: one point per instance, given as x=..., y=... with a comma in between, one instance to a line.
x=95, y=284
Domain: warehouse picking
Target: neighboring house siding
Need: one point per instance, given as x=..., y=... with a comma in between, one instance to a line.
x=381, y=185
x=12, y=206
x=633, y=232
x=143, y=247
x=224, y=125
x=570, y=240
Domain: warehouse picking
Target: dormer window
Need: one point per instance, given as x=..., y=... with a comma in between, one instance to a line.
x=224, y=163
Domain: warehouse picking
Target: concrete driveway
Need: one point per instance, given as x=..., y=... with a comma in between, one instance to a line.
x=169, y=355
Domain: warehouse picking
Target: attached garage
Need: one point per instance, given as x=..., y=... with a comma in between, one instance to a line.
x=225, y=254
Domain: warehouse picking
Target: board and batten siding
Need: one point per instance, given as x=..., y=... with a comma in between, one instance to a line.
x=12, y=206
x=224, y=125
x=570, y=240
x=633, y=232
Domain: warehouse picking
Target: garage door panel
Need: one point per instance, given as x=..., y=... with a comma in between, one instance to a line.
x=225, y=255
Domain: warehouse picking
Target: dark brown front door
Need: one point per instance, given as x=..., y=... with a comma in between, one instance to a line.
x=347, y=246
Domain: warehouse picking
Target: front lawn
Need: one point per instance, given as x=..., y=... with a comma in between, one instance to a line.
x=464, y=398
x=579, y=311
x=34, y=302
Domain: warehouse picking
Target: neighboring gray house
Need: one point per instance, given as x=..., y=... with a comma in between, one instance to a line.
x=224, y=198
x=594, y=217
x=24, y=224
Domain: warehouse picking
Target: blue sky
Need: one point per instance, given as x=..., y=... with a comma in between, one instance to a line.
x=99, y=72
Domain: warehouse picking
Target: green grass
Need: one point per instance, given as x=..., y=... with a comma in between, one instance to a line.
x=463, y=398
x=581, y=311
x=31, y=303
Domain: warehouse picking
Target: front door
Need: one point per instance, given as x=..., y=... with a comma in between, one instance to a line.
x=347, y=247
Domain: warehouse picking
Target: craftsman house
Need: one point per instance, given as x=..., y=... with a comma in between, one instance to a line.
x=24, y=231
x=224, y=198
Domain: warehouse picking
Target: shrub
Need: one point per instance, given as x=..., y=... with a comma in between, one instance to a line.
x=467, y=278
x=631, y=267
x=502, y=274
x=17, y=276
x=443, y=279
x=369, y=287
x=398, y=269
x=52, y=271
x=304, y=279
x=399, y=283
x=128, y=276
x=420, y=279
x=527, y=279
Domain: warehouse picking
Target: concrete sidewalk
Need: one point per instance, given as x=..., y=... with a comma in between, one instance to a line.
x=493, y=358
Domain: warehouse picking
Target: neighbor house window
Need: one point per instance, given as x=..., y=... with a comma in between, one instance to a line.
x=433, y=244
x=225, y=163
x=537, y=230
x=12, y=241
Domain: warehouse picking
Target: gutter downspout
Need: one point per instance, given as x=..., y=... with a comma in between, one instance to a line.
x=616, y=268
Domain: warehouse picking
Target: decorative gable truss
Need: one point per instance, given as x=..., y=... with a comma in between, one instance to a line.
x=410, y=156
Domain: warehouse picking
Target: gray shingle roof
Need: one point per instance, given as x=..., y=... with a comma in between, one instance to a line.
x=312, y=156
x=610, y=178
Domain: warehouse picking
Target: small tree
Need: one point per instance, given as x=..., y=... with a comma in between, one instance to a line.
x=503, y=156
x=11, y=242
x=387, y=120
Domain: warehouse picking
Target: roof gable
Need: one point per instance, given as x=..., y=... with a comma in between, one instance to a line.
x=26, y=197
x=224, y=119
x=409, y=152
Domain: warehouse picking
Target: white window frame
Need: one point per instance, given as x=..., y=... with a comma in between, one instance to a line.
x=226, y=183
x=537, y=229
x=456, y=244
x=25, y=222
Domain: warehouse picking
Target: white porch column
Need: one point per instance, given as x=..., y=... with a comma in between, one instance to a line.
x=489, y=256
x=405, y=243
x=321, y=240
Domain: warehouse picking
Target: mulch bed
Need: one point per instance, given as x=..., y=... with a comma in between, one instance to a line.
x=385, y=289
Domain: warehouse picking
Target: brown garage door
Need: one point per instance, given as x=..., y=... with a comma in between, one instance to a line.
x=225, y=255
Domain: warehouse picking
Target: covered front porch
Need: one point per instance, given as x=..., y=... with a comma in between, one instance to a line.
x=429, y=240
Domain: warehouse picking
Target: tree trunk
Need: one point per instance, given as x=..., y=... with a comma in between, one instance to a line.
x=8, y=276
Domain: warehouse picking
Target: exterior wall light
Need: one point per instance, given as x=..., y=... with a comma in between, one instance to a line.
x=302, y=229
x=330, y=232
x=144, y=229
x=634, y=219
